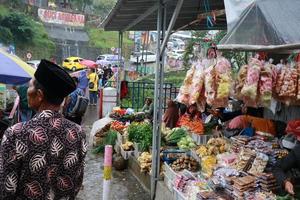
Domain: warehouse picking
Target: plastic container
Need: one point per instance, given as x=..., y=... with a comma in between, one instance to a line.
x=137, y=152
x=109, y=100
x=168, y=182
x=169, y=172
x=201, y=139
x=120, y=138
x=178, y=195
x=126, y=154
x=195, y=156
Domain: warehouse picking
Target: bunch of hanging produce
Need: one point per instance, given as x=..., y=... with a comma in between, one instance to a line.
x=185, y=89
x=140, y=132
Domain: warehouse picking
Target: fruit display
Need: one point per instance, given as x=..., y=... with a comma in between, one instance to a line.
x=127, y=146
x=185, y=162
x=186, y=143
x=145, y=161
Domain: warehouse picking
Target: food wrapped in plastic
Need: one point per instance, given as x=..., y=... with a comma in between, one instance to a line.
x=210, y=85
x=288, y=81
x=197, y=83
x=241, y=79
x=185, y=89
x=265, y=85
x=223, y=82
x=251, y=85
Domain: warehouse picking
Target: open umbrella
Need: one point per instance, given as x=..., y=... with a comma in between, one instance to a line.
x=13, y=70
x=89, y=63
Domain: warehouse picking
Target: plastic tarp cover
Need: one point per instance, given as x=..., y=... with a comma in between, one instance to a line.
x=234, y=9
x=266, y=25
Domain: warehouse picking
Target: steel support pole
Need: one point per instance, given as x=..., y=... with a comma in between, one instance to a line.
x=171, y=25
x=157, y=115
x=118, y=77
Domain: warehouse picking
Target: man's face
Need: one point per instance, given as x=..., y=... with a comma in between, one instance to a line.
x=34, y=96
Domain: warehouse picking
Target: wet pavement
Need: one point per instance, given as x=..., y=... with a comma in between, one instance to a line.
x=124, y=185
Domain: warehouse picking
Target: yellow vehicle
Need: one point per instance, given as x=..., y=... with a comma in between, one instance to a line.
x=73, y=63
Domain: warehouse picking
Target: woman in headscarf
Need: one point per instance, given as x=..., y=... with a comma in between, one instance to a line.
x=171, y=115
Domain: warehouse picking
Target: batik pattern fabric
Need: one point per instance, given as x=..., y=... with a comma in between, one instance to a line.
x=42, y=159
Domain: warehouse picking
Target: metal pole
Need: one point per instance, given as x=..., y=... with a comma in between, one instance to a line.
x=118, y=77
x=157, y=115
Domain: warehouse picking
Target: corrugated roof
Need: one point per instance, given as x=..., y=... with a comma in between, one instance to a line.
x=126, y=12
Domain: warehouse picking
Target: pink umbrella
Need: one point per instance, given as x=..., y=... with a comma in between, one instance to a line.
x=89, y=63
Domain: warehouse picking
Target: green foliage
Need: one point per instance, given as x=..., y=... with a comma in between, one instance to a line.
x=103, y=7
x=6, y=36
x=140, y=133
x=20, y=26
x=107, y=39
x=109, y=139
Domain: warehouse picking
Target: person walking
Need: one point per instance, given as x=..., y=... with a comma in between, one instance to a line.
x=83, y=81
x=44, y=157
x=93, y=87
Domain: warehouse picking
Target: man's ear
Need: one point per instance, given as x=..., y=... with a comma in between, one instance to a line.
x=40, y=95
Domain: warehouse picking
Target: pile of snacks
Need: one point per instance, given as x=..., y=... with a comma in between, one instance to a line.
x=185, y=162
x=266, y=181
x=242, y=185
x=259, y=164
x=246, y=158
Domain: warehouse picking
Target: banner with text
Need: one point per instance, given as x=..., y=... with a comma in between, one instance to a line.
x=56, y=17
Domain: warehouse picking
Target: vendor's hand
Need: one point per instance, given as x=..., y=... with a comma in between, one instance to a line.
x=288, y=186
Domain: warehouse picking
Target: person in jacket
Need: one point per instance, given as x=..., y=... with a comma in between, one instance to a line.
x=43, y=158
x=171, y=115
x=284, y=166
x=83, y=81
x=93, y=87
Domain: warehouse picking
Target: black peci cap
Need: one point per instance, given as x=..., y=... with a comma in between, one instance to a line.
x=54, y=79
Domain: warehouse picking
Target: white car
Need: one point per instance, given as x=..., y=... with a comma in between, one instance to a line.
x=108, y=59
x=33, y=63
x=144, y=56
x=177, y=43
x=176, y=54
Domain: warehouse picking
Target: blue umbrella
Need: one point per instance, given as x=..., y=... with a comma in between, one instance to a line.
x=13, y=70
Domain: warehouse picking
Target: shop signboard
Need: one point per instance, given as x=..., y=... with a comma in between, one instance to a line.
x=62, y=18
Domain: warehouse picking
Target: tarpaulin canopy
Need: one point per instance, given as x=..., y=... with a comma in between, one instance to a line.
x=266, y=25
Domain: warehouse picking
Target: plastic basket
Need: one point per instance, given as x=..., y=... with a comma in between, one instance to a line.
x=168, y=182
x=195, y=156
x=137, y=152
x=120, y=138
x=201, y=139
x=126, y=154
x=178, y=195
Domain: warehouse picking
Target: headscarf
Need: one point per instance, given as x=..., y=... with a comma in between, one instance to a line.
x=171, y=115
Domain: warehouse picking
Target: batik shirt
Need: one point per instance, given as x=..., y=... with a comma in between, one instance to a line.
x=42, y=159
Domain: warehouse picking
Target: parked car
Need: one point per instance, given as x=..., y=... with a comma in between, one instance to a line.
x=143, y=56
x=73, y=64
x=106, y=59
x=176, y=54
x=33, y=63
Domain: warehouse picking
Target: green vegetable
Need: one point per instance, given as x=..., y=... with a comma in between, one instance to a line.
x=175, y=136
x=186, y=143
x=109, y=139
x=140, y=133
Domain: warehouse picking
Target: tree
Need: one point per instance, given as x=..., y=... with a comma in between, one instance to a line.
x=20, y=26
x=6, y=36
